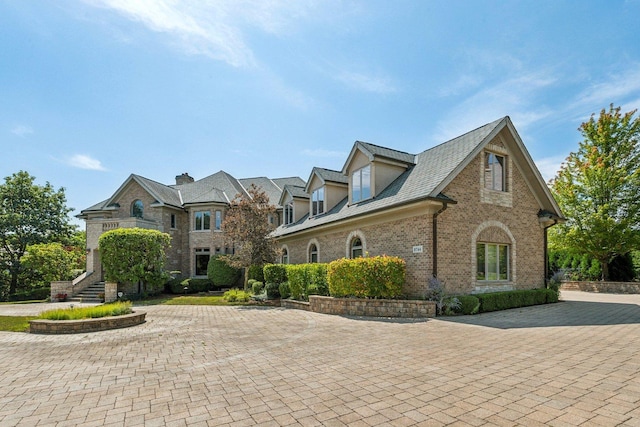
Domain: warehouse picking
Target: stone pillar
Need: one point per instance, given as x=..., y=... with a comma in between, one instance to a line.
x=110, y=291
x=61, y=288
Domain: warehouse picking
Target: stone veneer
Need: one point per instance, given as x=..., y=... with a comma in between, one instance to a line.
x=364, y=307
x=605, y=287
x=42, y=326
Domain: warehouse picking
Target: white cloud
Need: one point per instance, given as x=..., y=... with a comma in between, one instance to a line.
x=366, y=83
x=22, y=131
x=549, y=166
x=83, y=161
x=615, y=89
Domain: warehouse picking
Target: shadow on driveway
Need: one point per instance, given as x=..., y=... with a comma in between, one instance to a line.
x=564, y=313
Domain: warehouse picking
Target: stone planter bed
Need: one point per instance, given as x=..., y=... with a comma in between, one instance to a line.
x=365, y=307
x=42, y=326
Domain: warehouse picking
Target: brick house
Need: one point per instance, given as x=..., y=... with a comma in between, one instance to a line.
x=473, y=211
x=190, y=211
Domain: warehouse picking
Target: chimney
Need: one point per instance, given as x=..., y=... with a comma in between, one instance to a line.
x=183, y=179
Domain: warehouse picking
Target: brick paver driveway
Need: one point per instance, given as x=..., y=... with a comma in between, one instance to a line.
x=572, y=363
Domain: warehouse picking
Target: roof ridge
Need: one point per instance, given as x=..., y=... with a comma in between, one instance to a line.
x=495, y=122
x=386, y=148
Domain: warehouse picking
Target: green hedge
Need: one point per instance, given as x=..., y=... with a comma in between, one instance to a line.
x=304, y=276
x=495, y=301
x=221, y=274
x=176, y=286
x=255, y=272
x=275, y=273
x=375, y=277
x=31, y=294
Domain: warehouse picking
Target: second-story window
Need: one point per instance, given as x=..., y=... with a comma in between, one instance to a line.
x=173, y=220
x=137, y=209
x=494, y=172
x=317, y=201
x=361, y=184
x=288, y=213
x=218, y=220
x=203, y=220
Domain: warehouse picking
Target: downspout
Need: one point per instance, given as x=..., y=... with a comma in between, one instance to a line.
x=546, y=255
x=434, y=270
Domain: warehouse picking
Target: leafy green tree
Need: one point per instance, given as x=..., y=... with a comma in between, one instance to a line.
x=597, y=189
x=46, y=262
x=246, y=226
x=30, y=214
x=135, y=256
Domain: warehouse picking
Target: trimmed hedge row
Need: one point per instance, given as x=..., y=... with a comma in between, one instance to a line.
x=495, y=301
x=375, y=277
x=177, y=286
x=307, y=279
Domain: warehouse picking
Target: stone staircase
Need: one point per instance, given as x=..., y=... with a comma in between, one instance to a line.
x=90, y=293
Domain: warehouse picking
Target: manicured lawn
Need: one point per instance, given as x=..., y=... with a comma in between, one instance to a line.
x=15, y=323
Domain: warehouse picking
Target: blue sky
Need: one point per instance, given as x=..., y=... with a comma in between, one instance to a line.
x=92, y=91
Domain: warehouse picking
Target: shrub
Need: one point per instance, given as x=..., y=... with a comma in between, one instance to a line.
x=513, y=299
x=112, y=309
x=375, y=277
x=275, y=273
x=273, y=290
x=285, y=291
x=220, y=273
x=469, y=304
x=193, y=286
x=257, y=287
x=255, y=272
x=298, y=280
x=236, y=295
x=31, y=294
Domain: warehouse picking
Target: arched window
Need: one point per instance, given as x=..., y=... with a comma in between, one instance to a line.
x=137, y=209
x=285, y=256
x=356, y=248
x=313, y=253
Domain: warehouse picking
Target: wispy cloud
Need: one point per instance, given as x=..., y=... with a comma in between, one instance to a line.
x=367, y=83
x=22, y=131
x=323, y=153
x=83, y=161
x=549, y=166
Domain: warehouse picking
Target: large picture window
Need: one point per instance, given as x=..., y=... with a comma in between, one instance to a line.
x=203, y=220
x=317, y=201
x=493, y=262
x=494, y=172
x=361, y=184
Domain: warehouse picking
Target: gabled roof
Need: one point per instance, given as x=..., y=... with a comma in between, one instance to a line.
x=433, y=170
x=327, y=175
x=377, y=152
x=295, y=191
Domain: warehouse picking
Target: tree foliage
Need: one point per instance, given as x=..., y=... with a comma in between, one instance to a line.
x=47, y=262
x=597, y=189
x=135, y=255
x=246, y=226
x=30, y=214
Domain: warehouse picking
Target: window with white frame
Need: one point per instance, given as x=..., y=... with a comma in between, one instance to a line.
x=288, y=213
x=492, y=262
x=361, y=184
x=313, y=253
x=317, y=201
x=285, y=256
x=357, y=250
x=202, y=220
x=218, y=220
x=494, y=172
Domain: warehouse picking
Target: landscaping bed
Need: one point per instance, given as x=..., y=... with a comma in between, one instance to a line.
x=43, y=326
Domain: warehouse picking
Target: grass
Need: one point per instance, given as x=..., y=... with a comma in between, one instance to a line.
x=201, y=300
x=23, y=302
x=15, y=323
x=112, y=309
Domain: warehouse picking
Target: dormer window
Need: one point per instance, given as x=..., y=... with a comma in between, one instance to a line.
x=288, y=213
x=361, y=184
x=317, y=201
x=137, y=209
x=494, y=172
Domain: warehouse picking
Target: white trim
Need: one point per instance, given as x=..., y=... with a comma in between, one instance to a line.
x=313, y=241
x=350, y=237
x=480, y=285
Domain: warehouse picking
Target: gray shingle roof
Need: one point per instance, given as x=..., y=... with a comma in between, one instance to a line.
x=433, y=169
x=389, y=153
x=330, y=175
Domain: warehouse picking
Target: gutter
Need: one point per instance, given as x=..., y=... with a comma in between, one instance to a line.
x=434, y=270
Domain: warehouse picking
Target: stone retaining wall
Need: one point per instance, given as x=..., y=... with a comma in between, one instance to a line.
x=605, y=287
x=372, y=307
x=300, y=305
x=41, y=326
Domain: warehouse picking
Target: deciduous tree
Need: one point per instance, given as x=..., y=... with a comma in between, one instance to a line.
x=30, y=214
x=598, y=187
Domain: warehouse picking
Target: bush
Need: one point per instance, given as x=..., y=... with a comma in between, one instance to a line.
x=31, y=294
x=298, y=280
x=257, y=287
x=220, y=273
x=302, y=276
x=112, y=309
x=469, y=304
x=273, y=290
x=285, y=291
x=177, y=286
x=236, y=295
x=513, y=299
x=255, y=272
x=275, y=273
x=375, y=277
